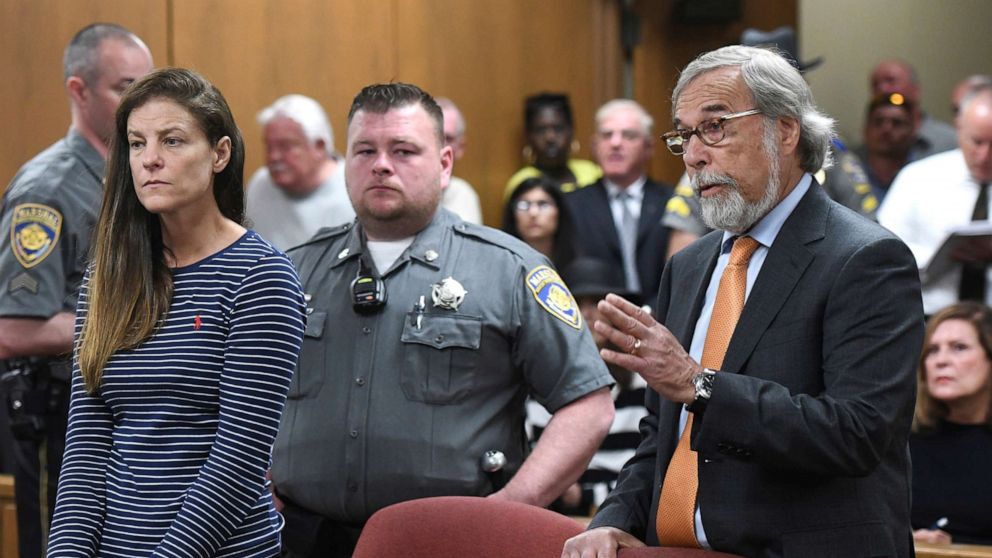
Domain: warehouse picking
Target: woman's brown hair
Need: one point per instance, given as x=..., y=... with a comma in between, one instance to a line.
x=929, y=411
x=130, y=283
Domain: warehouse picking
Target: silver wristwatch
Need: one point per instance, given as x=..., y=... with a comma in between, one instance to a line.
x=703, y=384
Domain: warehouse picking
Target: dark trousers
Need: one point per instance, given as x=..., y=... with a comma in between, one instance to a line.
x=6, y=437
x=37, y=462
x=310, y=535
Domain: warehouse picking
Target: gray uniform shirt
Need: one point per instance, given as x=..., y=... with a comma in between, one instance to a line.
x=403, y=403
x=49, y=211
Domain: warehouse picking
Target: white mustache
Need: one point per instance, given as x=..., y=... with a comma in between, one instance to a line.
x=710, y=178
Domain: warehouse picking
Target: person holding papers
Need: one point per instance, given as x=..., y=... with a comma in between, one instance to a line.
x=934, y=198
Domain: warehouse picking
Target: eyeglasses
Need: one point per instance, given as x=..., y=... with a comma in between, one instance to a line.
x=710, y=132
x=523, y=206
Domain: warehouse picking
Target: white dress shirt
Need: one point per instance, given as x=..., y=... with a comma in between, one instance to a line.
x=926, y=201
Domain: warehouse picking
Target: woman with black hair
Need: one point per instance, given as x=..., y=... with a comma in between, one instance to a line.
x=536, y=213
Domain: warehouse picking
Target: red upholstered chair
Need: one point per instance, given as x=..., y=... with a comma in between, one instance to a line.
x=461, y=526
x=655, y=552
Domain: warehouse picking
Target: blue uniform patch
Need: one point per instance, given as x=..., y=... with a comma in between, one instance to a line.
x=34, y=232
x=552, y=294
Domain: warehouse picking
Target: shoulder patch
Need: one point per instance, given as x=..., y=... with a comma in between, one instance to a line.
x=552, y=294
x=34, y=232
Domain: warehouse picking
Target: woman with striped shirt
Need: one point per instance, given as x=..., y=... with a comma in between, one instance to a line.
x=188, y=330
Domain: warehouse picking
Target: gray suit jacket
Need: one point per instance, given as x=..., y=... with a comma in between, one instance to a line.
x=803, y=446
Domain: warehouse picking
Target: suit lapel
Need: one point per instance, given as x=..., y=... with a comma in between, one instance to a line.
x=681, y=319
x=603, y=215
x=787, y=259
x=651, y=210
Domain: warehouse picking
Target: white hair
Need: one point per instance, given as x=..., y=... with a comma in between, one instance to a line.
x=647, y=122
x=447, y=104
x=983, y=91
x=778, y=90
x=307, y=113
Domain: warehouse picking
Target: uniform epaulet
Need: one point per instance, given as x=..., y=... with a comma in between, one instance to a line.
x=325, y=233
x=494, y=237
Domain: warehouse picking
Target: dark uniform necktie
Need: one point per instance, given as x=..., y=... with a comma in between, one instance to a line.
x=628, y=242
x=973, y=274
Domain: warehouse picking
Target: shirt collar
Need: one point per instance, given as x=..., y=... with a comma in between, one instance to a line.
x=635, y=190
x=767, y=228
x=427, y=241
x=87, y=153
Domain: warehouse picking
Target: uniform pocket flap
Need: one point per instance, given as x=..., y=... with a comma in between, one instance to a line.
x=315, y=324
x=443, y=331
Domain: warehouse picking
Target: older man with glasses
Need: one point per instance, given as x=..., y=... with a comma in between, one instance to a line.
x=618, y=218
x=781, y=367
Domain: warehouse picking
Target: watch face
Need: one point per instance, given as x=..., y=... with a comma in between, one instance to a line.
x=697, y=381
x=703, y=383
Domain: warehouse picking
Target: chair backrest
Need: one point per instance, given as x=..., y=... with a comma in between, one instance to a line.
x=462, y=526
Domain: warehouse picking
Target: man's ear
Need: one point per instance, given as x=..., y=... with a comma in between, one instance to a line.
x=76, y=88
x=447, y=165
x=788, y=132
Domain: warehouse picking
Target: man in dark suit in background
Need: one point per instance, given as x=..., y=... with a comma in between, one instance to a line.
x=812, y=317
x=618, y=219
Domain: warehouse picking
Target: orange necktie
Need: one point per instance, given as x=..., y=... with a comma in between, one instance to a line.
x=677, y=505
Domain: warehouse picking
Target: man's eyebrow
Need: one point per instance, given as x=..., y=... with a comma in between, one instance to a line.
x=707, y=109
x=716, y=107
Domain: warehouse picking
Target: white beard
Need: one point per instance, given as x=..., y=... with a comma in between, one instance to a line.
x=729, y=210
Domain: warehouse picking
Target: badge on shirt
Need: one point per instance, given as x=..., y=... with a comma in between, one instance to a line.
x=34, y=232
x=448, y=294
x=552, y=294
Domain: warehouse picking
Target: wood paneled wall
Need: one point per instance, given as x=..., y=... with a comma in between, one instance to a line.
x=668, y=45
x=34, y=109
x=486, y=55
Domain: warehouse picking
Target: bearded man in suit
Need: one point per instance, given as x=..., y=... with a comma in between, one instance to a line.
x=782, y=363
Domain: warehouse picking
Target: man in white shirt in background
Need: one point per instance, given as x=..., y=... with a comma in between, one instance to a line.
x=933, y=196
x=459, y=197
x=301, y=187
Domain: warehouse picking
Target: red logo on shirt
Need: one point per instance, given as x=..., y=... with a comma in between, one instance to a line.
x=197, y=322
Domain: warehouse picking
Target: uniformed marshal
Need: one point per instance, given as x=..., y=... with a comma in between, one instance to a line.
x=424, y=336
x=47, y=216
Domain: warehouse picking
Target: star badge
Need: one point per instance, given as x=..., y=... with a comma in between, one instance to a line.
x=448, y=294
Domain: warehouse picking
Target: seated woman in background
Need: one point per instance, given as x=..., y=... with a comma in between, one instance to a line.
x=536, y=214
x=951, y=443
x=188, y=330
x=548, y=123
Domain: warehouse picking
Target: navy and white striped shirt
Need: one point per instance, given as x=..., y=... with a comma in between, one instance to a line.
x=169, y=457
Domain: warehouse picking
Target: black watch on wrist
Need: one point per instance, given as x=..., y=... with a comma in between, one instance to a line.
x=703, y=384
